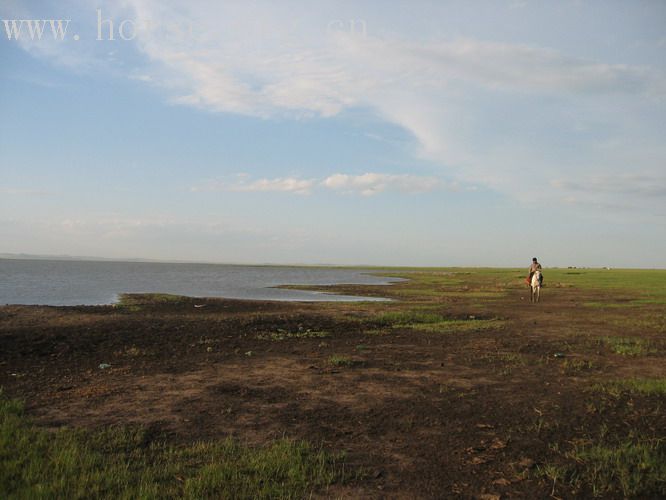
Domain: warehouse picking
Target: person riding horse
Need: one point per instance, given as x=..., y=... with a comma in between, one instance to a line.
x=534, y=268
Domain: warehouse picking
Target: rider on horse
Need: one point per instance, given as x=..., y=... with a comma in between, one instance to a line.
x=534, y=268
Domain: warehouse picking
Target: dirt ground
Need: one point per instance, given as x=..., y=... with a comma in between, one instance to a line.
x=470, y=413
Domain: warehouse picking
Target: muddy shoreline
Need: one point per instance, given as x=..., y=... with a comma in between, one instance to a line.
x=426, y=413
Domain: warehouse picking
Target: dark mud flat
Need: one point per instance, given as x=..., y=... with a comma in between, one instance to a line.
x=458, y=388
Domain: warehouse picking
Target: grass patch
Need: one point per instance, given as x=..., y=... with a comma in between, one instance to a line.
x=609, y=305
x=129, y=463
x=474, y=294
x=151, y=298
x=404, y=318
x=507, y=361
x=650, y=301
x=649, y=283
x=377, y=331
x=634, y=322
x=458, y=325
x=647, y=386
x=433, y=322
x=134, y=302
x=629, y=346
x=281, y=335
x=131, y=352
x=505, y=357
x=337, y=360
x=572, y=366
x=633, y=468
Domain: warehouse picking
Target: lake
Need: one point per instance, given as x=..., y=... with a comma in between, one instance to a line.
x=70, y=282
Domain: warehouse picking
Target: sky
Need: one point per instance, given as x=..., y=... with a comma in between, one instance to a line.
x=422, y=133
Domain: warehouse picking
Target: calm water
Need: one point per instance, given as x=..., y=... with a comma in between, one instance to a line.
x=50, y=282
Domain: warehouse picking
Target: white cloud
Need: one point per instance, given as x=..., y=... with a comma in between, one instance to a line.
x=242, y=184
x=373, y=183
x=367, y=184
x=465, y=101
x=262, y=62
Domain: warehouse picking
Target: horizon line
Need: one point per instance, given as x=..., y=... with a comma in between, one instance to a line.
x=80, y=258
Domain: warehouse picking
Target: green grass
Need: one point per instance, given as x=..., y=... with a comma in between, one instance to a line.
x=433, y=322
x=648, y=281
x=647, y=322
x=457, y=326
x=403, y=318
x=629, y=346
x=633, y=468
x=620, y=303
x=647, y=386
x=337, y=360
x=507, y=361
x=609, y=305
x=623, y=288
x=155, y=298
x=619, y=288
x=134, y=302
x=129, y=463
x=505, y=357
x=575, y=366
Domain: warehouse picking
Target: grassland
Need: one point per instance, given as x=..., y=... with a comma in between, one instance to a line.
x=457, y=387
x=122, y=462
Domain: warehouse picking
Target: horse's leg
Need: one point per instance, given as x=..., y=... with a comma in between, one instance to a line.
x=538, y=293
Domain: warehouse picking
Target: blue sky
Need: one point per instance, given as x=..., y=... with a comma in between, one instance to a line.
x=407, y=133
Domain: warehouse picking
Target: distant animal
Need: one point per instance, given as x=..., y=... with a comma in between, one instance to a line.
x=535, y=286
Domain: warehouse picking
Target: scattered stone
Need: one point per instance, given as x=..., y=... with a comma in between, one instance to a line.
x=476, y=449
x=104, y=366
x=497, y=444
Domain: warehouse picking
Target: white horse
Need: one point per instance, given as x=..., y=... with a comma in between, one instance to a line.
x=535, y=286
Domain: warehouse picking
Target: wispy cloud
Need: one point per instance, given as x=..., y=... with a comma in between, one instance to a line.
x=243, y=184
x=436, y=90
x=627, y=185
x=367, y=184
x=468, y=103
x=372, y=183
x=348, y=70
